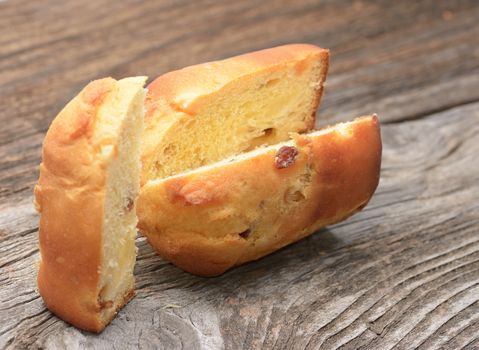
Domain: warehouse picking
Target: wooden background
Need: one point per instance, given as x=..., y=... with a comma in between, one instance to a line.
x=403, y=273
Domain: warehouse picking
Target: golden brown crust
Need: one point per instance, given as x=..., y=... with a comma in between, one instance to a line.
x=210, y=220
x=187, y=88
x=70, y=245
x=70, y=197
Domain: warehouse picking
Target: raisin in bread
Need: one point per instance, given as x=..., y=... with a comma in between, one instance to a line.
x=86, y=194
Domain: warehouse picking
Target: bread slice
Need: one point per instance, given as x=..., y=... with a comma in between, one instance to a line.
x=218, y=216
x=89, y=179
x=204, y=113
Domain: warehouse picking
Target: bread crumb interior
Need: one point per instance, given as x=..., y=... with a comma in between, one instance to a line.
x=260, y=109
x=119, y=225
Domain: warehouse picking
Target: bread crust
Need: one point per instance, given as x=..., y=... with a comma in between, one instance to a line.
x=69, y=196
x=186, y=90
x=210, y=220
x=189, y=87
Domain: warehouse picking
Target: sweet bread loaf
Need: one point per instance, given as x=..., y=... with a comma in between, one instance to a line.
x=212, y=218
x=207, y=112
x=231, y=172
x=86, y=194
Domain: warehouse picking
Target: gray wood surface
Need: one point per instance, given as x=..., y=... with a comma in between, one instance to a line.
x=403, y=273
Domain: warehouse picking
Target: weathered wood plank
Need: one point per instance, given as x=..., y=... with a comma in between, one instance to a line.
x=404, y=272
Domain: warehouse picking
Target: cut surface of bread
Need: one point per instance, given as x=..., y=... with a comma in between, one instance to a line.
x=86, y=197
x=204, y=113
x=212, y=218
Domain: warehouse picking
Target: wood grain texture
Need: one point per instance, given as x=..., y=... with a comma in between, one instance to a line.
x=403, y=273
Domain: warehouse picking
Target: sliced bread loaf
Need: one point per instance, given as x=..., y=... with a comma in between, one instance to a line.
x=86, y=193
x=212, y=218
x=207, y=112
